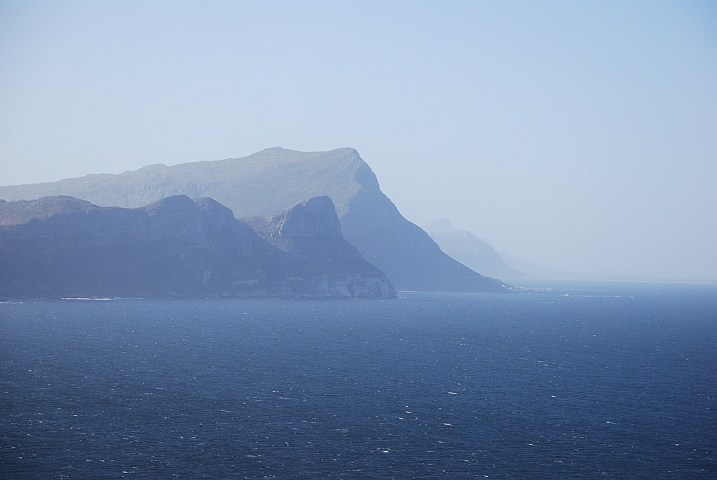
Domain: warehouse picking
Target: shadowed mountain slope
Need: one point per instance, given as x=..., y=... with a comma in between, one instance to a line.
x=275, y=179
x=177, y=247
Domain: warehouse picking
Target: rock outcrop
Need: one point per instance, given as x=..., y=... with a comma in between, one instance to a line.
x=176, y=247
x=310, y=235
x=275, y=179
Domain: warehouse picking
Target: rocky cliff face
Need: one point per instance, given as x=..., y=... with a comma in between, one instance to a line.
x=275, y=179
x=65, y=247
x=310, y=235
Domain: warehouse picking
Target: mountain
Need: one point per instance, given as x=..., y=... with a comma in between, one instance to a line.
x=309, y=235
x=177, y=247
x=470, y=250
x=480, y=255
x=539, y=272
x=534, y=271
x=275, y=179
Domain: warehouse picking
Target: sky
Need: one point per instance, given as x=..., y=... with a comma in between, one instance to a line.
x=580, y=136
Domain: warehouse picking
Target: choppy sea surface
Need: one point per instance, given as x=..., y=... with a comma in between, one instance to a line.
x=584, y=380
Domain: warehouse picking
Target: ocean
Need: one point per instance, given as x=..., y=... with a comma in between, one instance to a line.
x=578, y=380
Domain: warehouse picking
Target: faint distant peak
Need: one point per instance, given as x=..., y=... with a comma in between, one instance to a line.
x=439, y=226
x=444, y=225
x=152, y=168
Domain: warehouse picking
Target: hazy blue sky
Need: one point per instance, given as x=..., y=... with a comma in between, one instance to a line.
x=577, y=135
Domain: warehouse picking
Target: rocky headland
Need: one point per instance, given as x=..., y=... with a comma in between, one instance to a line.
x=178, y=247
x=275, y=179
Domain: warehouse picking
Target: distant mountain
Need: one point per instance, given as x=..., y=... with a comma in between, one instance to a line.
x=479, y=254
x=177, y=247
x=534, y=271
x=470, y=250
x=538, y=272
x=275, y=179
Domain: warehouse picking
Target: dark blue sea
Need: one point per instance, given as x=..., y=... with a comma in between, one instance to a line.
x=584, y=380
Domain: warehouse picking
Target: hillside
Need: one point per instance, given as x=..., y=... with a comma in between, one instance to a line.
x=175, y=247
x=275, y=179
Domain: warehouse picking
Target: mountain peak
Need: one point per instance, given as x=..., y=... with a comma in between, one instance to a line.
x=20, y=211
x=441, y=225
x=310, y=218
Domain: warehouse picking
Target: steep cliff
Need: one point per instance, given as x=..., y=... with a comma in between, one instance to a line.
x=309, y=234
x=275, y=179
x=65, y=247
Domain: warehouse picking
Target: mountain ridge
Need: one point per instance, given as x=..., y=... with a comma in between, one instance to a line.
x=175, y=247
x=275, y=179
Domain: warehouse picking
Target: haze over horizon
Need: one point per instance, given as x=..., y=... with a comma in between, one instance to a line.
x=578, y=136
